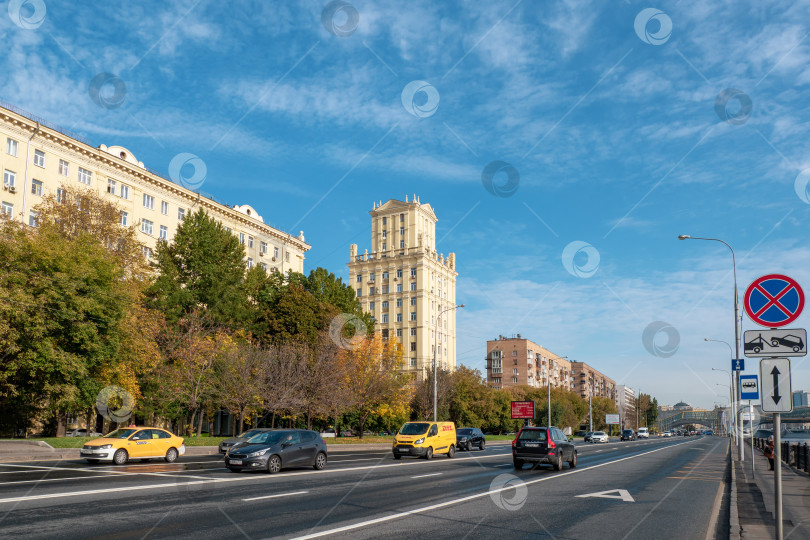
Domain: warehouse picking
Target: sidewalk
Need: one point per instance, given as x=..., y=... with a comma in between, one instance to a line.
x=756, y=499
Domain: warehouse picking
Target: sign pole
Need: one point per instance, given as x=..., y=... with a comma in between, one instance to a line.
x=751, y=424
x=777, y=473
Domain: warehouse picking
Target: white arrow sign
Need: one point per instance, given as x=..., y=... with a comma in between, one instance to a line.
x=775, y=385
x=622, y=494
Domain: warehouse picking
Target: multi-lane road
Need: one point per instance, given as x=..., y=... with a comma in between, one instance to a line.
x=670, y=488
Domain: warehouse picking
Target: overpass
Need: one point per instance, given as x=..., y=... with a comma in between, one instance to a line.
x=714, y=418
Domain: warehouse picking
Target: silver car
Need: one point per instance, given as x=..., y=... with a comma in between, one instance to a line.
x=599, y=436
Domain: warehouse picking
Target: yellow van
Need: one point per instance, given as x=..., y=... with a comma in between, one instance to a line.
x=423, y=439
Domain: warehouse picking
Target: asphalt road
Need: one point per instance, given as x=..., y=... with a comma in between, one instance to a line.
x=671, y=490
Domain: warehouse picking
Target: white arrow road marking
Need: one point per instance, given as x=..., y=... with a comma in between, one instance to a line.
x=623, y=494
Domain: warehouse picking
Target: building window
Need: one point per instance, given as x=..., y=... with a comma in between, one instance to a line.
x=263, y=247
x=413, y=331
x=385, y=304
x=11, y=147
x=413, y=301
x=164, y=232
x=359, y=292
x=413, y=315
x=385, y=317
x=250, y=242
x=385, y=289
x=36, y=188
x=413, y=272
x=515, y=371
x=124, y=192
x=413, y=286
x=399, y=317
x=32, y=218
x=371, y=306
x=7, y=208
x=264, y=266
x=384, y=233
x=413, y=346
x=147, y=252
x=148, y=201
x=385, y=247
x=399, y=332
x=402, y=244
x=60, y=195
x=399, y=287
x=371, y=276
x=9, y=179
x=287, y=256
x=399, y=302
x=64, y=168
x=85, y=176
x=402, y=218
x=514, y=353
x=359, y=278
x=124, y=219
x=39, y=158
x=402, y=230
x=111, y=186
x=242, y=238
x=147, y=226
x=385, y=220
x=250, y=262
x=181, y=214
x=275, y=253
x=399, y=272
x=514, y=380
x=164, y=208
x=385, y=275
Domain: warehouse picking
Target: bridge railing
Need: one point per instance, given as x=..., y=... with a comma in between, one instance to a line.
x=794, y=454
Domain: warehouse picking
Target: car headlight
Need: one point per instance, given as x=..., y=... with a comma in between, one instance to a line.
x=462, y=439
x=104, y=447
x=419, y=441
x=258, y=453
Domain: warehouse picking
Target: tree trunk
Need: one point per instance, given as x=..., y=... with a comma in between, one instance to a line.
x=241, y=420
x=200, y=422
x=61, y=423
x=273, y=420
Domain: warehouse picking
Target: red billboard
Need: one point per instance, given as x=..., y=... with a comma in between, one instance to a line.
x=523, y=409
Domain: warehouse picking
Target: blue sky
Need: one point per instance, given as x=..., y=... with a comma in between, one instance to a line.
x=618, y=126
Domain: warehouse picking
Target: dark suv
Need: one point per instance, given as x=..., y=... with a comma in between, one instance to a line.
x=543, y=445
x=467, y=437
x=277, y=448
x=628, y=435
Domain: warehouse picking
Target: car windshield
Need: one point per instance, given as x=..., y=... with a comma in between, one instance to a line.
x=249, y=433
x=120, y=433
x=532, y=435
x=599, y=433
x=414, y=428
x=464, y=431
x=267, y=437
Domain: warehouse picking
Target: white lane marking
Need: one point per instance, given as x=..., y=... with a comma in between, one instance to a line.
x=504, y=465
x=276, y=496
x=347, y=460
x=244, y=479
x=488, y=493
x=622, y=494
x=426, y=475
x=37, y=481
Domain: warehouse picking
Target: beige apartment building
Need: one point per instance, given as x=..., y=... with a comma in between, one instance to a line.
x=407, y=286
x=38, y=158
x=590, y=382
x=515, y=361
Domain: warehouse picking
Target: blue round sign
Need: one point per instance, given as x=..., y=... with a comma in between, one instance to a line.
x=774, y=300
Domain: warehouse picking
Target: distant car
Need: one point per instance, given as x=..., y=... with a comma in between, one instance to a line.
x=794, y=342
x=599, y=436
x=134, y=443
x=240, y=439
x=278, y=448
x=588, y=436
x=628, y=435
x=543, y=445
x=346, y=434
x=466, y=438
x=83, y=433
x=643, y=433
x=667, y=434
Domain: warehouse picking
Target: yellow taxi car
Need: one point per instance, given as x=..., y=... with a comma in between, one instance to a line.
x=134, y=443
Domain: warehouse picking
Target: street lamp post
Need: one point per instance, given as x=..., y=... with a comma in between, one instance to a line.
x=727, y=386
x=730, y=388
x=736, y=325
x=435, y=347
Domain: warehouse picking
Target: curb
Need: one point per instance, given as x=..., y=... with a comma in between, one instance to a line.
x=733, y=512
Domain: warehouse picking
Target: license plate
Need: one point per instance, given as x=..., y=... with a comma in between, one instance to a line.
x=236, y=462
x=87, y=451
x=532, y=444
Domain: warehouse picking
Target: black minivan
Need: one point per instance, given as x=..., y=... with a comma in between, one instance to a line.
x=543, y=445
x=278, y=448
x=628, y=435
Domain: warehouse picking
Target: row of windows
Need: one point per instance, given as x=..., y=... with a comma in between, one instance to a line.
x=385, y=303
x=401, y=219
x=385, y=275
x=385, y=289
x=385, y=232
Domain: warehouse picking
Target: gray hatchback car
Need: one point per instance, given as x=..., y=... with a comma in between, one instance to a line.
x=275, y=449
x=227, y=444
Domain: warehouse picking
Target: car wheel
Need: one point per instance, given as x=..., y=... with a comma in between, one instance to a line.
x=774, y=343
x=429, y=453
x=573, y=462
x=518, y=463
x=273, y=464
x=320, y=462
x=482, y=445
x=558, y=463
x=797, y=349
x=468, y=447
x=120, y=457
x=451, y=451
x=171, y=455
x=397, y=456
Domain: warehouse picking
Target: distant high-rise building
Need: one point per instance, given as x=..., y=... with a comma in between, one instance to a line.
x=407, y=286
x=626, y=402
x=801, y=398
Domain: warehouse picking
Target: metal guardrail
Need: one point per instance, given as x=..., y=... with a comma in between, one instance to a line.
x=795, y=454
